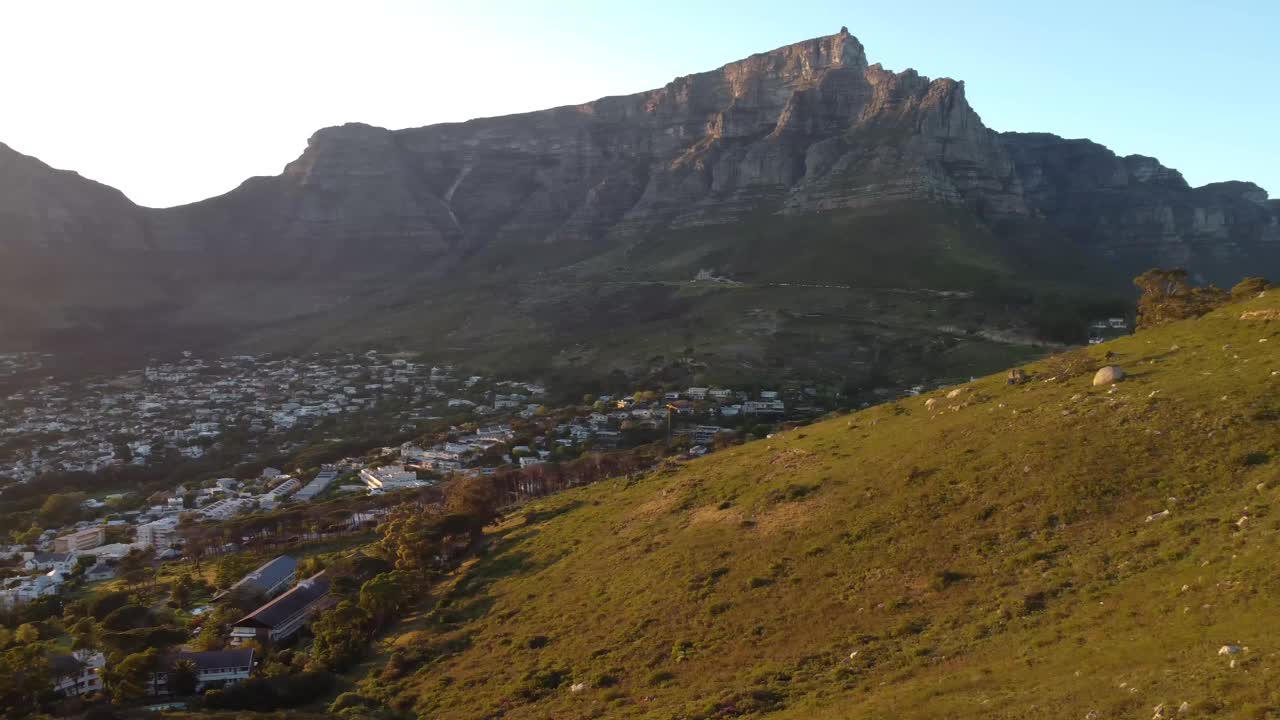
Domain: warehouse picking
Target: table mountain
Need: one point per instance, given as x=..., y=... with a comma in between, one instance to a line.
x=368, y=220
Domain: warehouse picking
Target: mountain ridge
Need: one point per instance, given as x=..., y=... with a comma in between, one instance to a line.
x=808, y=130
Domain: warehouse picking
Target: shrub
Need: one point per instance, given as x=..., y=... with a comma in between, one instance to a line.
x=104, y=605
x=538, y=683
x=127, y=617
x=719, y=608
x=946, y=579
x=1249, y=287
x=1070, y=364
x=265, y=694
x=661, y=677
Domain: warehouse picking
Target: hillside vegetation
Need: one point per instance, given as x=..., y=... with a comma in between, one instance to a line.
x=1050, y=549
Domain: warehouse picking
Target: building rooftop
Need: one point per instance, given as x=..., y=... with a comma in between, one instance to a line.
x=268, y=575
x=276, y=611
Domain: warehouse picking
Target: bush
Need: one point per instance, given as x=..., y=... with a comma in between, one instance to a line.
x=539, y=683
x=661, y=677
x=104, y=605
x=1249, y=287
x=1070, y=364
x=264, y=694
x=128, y=617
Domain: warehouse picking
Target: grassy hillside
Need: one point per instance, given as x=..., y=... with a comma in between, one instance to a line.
x=989, y=558
x=815, y=297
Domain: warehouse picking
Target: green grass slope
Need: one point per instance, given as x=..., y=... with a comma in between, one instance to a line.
x=989, y=558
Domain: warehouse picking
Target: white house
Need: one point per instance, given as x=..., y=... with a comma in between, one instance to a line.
x=214, y=669
x=389, y=477
x=160, y=534
x=77, y=674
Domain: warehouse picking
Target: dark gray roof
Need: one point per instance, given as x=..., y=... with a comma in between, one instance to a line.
x=268, y=575
x=51, y=557
x=300, y=596
x=64, y=665
x=214, y=659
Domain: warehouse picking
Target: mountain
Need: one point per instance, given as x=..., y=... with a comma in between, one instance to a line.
x=1052, y=549
x=576, y=228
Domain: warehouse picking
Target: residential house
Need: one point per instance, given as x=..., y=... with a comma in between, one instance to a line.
x=77, y=674
x=763, y=407
x=214, y=669
x=281, y=618
x=45, y=561
x=706, y=434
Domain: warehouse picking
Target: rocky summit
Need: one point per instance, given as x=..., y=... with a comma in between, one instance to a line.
x=809, y=141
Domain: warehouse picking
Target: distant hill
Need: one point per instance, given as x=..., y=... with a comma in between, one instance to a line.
x=1052, y=549
x=573, y=232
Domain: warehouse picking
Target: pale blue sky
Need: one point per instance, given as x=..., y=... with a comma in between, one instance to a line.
x=176, y=101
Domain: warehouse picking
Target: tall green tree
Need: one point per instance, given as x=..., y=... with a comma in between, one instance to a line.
x=341, y=635
x=25, y=677
x=61, y=508
x=383, y=595
x=131, y=678
x=84, y=635
x=1168, y=295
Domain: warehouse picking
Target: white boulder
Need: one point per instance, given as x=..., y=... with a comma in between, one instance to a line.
x=1108, y=375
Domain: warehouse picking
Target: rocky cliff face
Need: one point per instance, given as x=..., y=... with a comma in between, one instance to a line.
x=1136, y=212
x=803, y=130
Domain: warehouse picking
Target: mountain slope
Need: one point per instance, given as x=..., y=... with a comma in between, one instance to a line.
x=989, y=557
x=371, y=235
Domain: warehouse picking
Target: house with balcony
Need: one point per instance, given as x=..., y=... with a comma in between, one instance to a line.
x=214, y=669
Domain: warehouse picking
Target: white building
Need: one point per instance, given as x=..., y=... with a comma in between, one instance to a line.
x=161, y=534
x=390, y=477
x=77, y=674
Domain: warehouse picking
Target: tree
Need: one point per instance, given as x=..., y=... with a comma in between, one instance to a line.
x=27, y=537
x=26, y=634
x=212, y=632
x=340, y=636
x=183, y=677
x=230, y=569
x=180, y=593
x=411, y=540
x=25, y=678
x=1249, y=287
x=130, y=678
x=1167, y=295
x=84, y=635
x=478, y=499
x=385, y=594
x=61, y=508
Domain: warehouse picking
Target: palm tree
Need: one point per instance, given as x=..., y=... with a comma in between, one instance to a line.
x=183, y=677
